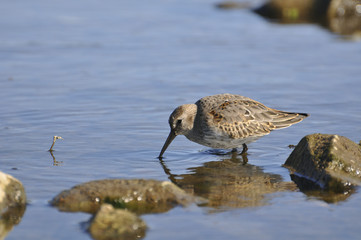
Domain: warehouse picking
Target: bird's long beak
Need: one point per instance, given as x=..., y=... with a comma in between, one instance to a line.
x=170, y=138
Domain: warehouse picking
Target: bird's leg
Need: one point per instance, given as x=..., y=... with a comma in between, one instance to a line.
x=245, y=148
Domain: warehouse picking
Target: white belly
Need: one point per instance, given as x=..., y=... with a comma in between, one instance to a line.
x=223, y=142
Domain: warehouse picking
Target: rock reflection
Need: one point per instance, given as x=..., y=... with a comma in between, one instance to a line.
x=12, y=203
x=339, y=192
x=230, y=183
x=10, y=218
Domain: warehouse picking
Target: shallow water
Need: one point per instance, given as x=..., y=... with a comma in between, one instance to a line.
x=105, y=77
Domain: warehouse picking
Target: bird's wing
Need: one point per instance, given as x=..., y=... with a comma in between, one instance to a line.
x=241, y=117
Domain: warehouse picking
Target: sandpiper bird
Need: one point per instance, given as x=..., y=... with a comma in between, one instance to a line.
x=227, y=121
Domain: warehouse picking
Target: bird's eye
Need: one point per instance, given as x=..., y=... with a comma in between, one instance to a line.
x=179, y=121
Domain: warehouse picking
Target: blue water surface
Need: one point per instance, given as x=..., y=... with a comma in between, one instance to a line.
x=105, y=75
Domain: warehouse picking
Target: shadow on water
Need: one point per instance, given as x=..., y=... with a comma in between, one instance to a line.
x=230, y=183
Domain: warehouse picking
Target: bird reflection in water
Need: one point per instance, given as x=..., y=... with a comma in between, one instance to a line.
x=230, y=182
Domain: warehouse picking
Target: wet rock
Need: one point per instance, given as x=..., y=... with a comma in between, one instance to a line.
x=344, y=16
x=12, y=193
x=12, y=203
x=294, y=11
x=110, y=223
x=331, y=161
x=137, y=195
x=339, y=16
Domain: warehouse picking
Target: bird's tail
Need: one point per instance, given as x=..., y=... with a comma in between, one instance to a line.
x=285, y=119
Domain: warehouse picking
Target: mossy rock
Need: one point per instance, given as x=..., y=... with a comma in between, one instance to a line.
x=331, y=161
x=138, y=195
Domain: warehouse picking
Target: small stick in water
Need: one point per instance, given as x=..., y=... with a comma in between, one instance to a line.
x=54, y=140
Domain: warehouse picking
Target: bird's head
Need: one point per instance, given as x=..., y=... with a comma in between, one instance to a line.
x=181, y=122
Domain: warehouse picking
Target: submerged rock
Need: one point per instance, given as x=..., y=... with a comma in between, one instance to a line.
x=332, y=162
x=12, y=203
x=138, y=195
x=111, y=223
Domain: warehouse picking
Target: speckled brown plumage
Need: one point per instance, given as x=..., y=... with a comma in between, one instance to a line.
x=227, y=121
